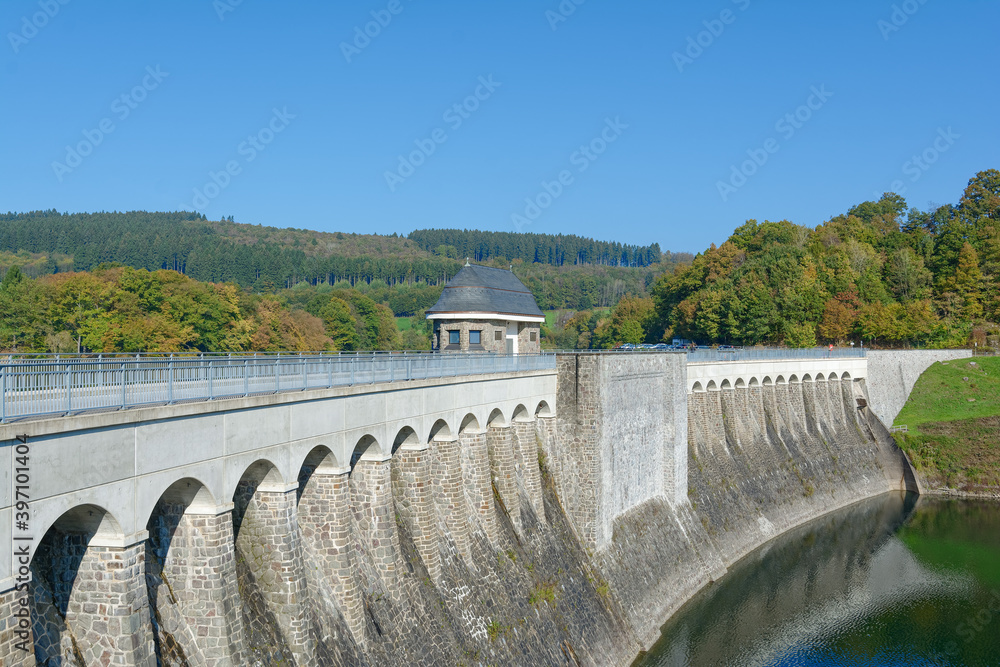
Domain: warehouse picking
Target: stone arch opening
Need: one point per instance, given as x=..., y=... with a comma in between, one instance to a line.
x=780, y=380
x=496, y=420
x=845, y=376
x=754, y=383
x=740, y=384
x=726, y=385
x=470, y=424
x=767, y=382
x=793, y=379
x=64, y=585
x=697, y=388
x=520, y=414
x=185, y=534
x=406, y=436
x=712, y=386
x=367, y=448
x=261, y=473
x=543, y=410
x=820, y=377
x=807, y=378
x=320, y=459
x=440, y=431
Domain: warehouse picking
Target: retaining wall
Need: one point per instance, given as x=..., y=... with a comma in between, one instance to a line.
x=892, y=374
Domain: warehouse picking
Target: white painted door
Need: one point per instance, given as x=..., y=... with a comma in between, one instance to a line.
x=512, y=338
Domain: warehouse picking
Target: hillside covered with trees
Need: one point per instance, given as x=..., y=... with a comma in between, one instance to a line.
x=880, y=273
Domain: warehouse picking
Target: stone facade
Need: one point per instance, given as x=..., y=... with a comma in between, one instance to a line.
x=16, y=646
x=526, y=460
x=324, y=515
x=528, y=336
x=477, y=482
x=100, y=616
x=500, y=444
x=449, y=495
x=191, y=578
x=412, y=490
x=270, y=542
x=371, y=502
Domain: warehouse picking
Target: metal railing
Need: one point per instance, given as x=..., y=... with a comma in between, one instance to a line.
x=704, y=356
x=37, y=387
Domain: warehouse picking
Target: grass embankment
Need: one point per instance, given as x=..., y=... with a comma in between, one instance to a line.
x=953, y=416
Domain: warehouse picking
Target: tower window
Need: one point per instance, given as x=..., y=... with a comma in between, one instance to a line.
x=454, y=337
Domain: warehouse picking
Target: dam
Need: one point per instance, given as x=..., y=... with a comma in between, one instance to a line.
x=549, y=509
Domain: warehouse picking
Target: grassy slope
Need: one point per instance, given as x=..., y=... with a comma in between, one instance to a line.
x=954, y=441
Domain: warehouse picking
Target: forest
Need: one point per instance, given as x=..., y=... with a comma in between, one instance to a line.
x=882, y=274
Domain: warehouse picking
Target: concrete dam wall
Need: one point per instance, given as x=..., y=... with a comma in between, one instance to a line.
x=541, y=519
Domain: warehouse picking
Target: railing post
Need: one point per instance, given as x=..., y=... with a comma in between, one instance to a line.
x=277, y=380
x=208, y=374
x=123, y=385
x=69, y=389
x=3, y=394
x=392, y=369
x=352, y=370
x=305, y=377
x=373, y=368
x=329, y=372
x=246, y=379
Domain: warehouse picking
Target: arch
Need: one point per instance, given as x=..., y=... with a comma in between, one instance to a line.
x=753, y=383
x=88, y=519
x=543, y=410
x=368, y=448
x=807, y=378
x=406, y=436
x=189, y=493
x=697, y=388
x=845, y=376
x=740, y=384
x=726, y=385
x=780, y=380
x=712, y=386
x=793, y=379
x=260, y=473
x=469, y=424
x=520, y=414
x=767, y=381
x=320, y=459
x=833, y=377
x=440, y=431
x=820, y=377
x=496, y=420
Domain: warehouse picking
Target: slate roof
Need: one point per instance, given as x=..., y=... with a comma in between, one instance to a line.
x=482, y=289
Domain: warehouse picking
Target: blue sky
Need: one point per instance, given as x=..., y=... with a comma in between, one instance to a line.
x=311, y=131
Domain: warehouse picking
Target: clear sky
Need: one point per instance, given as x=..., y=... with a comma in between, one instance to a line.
x=310, y=116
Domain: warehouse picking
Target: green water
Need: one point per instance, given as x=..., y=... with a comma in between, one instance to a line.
x=892, y=581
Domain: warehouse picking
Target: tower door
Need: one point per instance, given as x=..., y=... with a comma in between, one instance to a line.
x=512, y=338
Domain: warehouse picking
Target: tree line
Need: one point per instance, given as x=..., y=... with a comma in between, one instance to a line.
x=557, y=250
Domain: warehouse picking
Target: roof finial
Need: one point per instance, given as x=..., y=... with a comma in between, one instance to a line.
x=466, y=261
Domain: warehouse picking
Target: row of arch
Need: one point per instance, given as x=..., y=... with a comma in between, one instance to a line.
x=195, y=495
x=767, y=381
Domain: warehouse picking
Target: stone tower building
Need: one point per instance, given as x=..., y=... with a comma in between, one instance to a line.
x=486, y=310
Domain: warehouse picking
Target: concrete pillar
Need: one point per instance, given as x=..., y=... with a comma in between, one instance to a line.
x=414, y=499
x=527, y=460
x=270, y=540
x=325, y=522
x=450, y=495
x=194, y=585
x=476, y=480
x=501, y=451
x=16, y=646
x=101, y=615
x=371, y=502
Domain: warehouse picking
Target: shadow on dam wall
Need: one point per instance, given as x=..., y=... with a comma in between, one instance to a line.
x=563, y=539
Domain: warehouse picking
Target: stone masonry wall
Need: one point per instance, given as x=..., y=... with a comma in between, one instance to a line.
x=16, y=649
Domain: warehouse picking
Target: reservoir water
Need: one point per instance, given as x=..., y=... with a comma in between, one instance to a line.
x=896, y=581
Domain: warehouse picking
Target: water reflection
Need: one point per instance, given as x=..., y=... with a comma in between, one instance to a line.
x=892, y=581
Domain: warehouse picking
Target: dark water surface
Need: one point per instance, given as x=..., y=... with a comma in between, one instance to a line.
x=891, y=581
